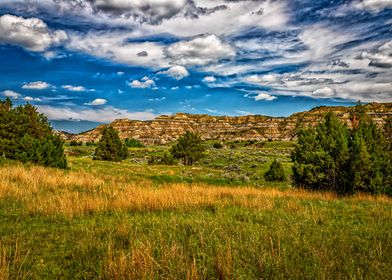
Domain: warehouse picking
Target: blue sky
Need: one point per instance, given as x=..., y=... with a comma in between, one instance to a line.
x=85, y=62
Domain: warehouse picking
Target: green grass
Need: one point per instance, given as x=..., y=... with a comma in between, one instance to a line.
x=296, y=236
x=295, y=239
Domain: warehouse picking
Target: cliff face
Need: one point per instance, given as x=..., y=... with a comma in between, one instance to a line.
x=164, y=129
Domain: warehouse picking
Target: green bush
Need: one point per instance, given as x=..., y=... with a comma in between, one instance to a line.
x=110, y=147
x=27, y=136
x=167, y=159
x=75, y=143
x=133, y=143
x=217, y=145
x=275, y=173
x=189, y=148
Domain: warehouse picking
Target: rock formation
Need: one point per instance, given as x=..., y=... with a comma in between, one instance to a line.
x=165, y=129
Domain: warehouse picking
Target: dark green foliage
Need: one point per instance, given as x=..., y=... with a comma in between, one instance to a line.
x=27, y=136
x=75, y=143
x=217, y=145
x=90, y=144
x=133, y=143
x=189, y=148
x=332, y=157
x=275, y=173
x=110, y=147
x=167, y=159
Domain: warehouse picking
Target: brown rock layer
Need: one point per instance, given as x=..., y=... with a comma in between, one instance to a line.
x=164, y=129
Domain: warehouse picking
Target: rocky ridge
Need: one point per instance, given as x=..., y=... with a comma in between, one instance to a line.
x=164, y=129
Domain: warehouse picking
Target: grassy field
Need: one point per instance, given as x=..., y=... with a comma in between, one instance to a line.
x=216, y=220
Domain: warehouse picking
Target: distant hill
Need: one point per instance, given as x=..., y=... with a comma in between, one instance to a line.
x=164, y=129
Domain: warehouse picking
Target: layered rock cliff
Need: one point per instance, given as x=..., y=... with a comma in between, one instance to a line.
x=164, y=129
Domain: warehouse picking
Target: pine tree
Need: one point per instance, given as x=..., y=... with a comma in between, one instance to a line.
x=27, y=136
x=110, y=147
x=189, y=148
x=320, y=156
x=275, y=172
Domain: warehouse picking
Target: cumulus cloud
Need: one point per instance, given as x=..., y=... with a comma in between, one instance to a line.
x=11, y=94
x=76, y=88
x=324, y=92
x=33, y=34
x=380, y=57
x=150, y=11
x=264, y=96
x=200, y=50
x=209, y=79
x=97, y=102
x=29, y=98
x=98, y=114
x=263, y=79
x=38, y=85
x=115, y=46
x=176, y=72
x=145, y=82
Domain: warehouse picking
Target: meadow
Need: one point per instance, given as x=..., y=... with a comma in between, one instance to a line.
x=218, y=219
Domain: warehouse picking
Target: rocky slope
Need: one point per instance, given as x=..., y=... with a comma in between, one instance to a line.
x=164, y=129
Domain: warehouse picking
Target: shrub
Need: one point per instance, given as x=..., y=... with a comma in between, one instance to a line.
x=217, y=145
x=110, y=147
x=167, y=159
x=90, y=143
x=75, y=143
x=275, y=173
x=189, y=148
x=27, y=136
x=133, y=143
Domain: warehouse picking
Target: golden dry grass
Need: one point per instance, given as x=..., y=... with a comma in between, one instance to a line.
x=70, y=193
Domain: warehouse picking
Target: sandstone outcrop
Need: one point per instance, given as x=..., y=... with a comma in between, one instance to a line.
x=164, y=129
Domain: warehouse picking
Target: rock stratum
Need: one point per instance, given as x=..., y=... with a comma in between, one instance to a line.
x=164, y=129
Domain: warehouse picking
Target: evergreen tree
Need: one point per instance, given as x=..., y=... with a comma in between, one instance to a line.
x=26, y=135
x=189, y=148
x=332, y=157
x=110, y=147
x=275, y=172
x=320, y=156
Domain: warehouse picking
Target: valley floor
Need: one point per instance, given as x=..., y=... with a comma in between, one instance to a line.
x=217, y=220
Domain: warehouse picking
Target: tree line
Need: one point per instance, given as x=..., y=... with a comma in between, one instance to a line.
x=328, y=157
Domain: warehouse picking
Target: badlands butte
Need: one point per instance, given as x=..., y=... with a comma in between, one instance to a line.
x=164, y=129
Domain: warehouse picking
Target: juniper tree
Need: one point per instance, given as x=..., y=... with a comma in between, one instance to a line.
x=275, y=172
x=26, y=135
x=189, y=148
x=110, y=147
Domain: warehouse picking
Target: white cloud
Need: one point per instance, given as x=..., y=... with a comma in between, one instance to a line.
x=381, y=57
x=263, y=79
x=200, y=50
x=32, y=33
x=237, y=16
x=176, y=72
x=145, y=82
x=209, y=79
x=11, y=94
x=174, y=88
x=264, y=96
x=324, y=92
x=150, y=11
x=105, y=115
x=114, y=46
x=76, y=88
x=29, y=98
x=373, y=5
x=97, y=102
x=39, y=85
